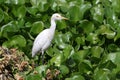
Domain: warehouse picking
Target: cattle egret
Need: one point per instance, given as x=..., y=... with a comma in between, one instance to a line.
x=43, y=40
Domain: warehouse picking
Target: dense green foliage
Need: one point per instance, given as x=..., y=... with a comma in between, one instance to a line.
x=86, y=47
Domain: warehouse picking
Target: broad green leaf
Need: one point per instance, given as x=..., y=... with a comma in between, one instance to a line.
x=33, y=77
x=64, y=7
x=106, y=30
x=110, y=14
x=40, y=5
x=6, y=17
x=109, y=65
x=37, y=27
x=28, y=24
x=84, y=67
x=50, y=51
x=87, y=26
x=80, y=40
x=35, y=2
x=75, y=14
x=32, y=10
x=15, y=41
x=64, y=69
x=1, y=15
x=57, y=60
x=41, y=69
x=21, y=23
x=68, y=52
x=98, y=13
x=10, y=27
x=59, y=5
x=17, y=2
x=67, y=36
x=74, y=30
x=62, y=45
x=85, y=7
x=43, y=7
x=118, y=34
x=19, y=12
x=1, y=1
x=115, y=5
x=96, y=1
x=113, y=48
x=110, y=34
x=96, y=51
x=101, y=74
x=59, y=41
x=76, y=77
x=61, y=25
x=114, y=57
x=93, y=38
x=80, y=55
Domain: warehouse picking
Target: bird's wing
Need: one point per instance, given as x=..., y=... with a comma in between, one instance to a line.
x=41, y=37
x=40, y=40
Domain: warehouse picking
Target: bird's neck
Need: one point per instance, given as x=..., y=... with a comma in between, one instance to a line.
x=53, y=24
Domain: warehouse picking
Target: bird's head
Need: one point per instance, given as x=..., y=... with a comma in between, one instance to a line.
x=57, y=16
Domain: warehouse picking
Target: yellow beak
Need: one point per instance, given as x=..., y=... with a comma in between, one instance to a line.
x=64, y=18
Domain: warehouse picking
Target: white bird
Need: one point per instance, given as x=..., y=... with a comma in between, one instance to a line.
x=43, y=40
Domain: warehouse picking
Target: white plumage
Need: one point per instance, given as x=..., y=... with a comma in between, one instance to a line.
x=43, y=40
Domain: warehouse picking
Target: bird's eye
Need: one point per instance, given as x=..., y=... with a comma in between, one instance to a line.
x=57, y=16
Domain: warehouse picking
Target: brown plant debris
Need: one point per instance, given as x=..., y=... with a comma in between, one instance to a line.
x=12, y=62
x=51, y=74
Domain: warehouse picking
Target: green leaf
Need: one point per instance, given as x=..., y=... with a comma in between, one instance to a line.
x=98, y=13
x=76, y=77
x=43, y=7
x=40, y=5
x=118, y=34
x=1, y=1
x=32, y=10
x=115, y=5
x=80, y=55
x=1, y=15
x=57, y=60
x=68, y=51
x=101, y=74
x=67, y=36
x=84, y=67
x=64, y=69
x=64, y=7
x=85, y=7
x=10, y=27
x=15, y=41
x=61, y=25
x=59, y=41
x=80, y=40
x=106, y=30
x=50, y=51
x=114, y=57
x=33, y=77
x=19, y=12
x=17, y=2
x=96, y=51
x=87, y=26
x=109, y=65
x=37, y=27
x=93, y=38
x=36, y=2
x=113, y=48
x=41, y=69
x=77, y=14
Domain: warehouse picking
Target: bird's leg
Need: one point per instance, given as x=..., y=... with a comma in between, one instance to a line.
x=42, y=57
x=39, y=57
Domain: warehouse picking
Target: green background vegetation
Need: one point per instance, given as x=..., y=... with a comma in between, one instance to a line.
x=86, y=47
